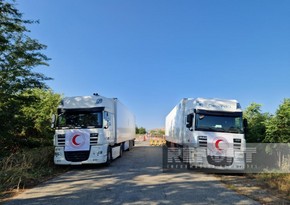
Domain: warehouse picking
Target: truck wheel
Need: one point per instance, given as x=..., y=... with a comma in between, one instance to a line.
x=188, y=166
x=131, y=144
x=109, y=156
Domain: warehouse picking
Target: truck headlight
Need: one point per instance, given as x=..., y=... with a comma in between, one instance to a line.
x=239, y=155
x=57, y=151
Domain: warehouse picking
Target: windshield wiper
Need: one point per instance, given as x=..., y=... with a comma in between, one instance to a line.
x=72, y=126
x=91, y=126
x=205, y=129
x=211, y=129
x=234, y=130
x=219, y=129
x=64, y=127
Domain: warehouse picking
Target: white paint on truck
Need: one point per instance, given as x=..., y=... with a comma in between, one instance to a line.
x=210, y=132
x=91, y=130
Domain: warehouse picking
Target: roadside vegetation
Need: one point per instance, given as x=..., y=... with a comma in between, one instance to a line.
x=267, y=128
x=26, y=168
x=140, y=130
x=157, y=132
x=276, y=181
x=26, y=105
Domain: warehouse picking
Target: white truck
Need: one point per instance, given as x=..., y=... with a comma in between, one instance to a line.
x=209, y=133
x=92, y=130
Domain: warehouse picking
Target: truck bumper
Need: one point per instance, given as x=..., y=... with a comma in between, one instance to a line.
x=96, y=155
x=200, y=160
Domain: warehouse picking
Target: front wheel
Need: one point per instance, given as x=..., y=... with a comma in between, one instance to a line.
x=109, y=156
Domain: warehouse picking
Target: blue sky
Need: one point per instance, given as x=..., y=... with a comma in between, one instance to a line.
x=152, y=53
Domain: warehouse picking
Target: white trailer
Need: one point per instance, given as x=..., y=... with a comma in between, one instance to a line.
x=209, y=133
x=92, y=130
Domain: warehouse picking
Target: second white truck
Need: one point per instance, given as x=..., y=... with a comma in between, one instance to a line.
x=208, y=133
x=92, y=130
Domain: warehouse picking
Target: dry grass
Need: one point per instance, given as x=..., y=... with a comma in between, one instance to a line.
x=25, y=169
x=280, y=182
x=256, y=186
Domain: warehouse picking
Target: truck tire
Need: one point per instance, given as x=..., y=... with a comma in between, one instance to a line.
x=131, y=144
x=109, y=156
x=188, y=166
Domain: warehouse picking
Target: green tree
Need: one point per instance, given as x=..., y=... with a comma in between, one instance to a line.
x=256, y=131
x=19, y=54
x=38, y=114
x=140, y=130
x=157, y=132
x=278, y=127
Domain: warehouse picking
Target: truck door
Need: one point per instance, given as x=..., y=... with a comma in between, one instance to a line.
x=109, y=127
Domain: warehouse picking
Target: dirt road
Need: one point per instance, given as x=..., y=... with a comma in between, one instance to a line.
x=136, y=178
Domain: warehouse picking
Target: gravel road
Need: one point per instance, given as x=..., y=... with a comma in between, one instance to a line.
x=136, y=178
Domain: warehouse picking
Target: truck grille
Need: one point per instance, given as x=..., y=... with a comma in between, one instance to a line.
x=94, y=138
x=220, y=161
x=237, y=144
x=77, y=156
x=61, y=139
x=202, y=141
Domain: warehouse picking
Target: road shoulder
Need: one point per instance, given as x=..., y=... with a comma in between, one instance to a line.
x=253, y=189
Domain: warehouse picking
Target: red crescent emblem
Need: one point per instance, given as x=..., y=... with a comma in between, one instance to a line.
x=74, y=140
x=217, y=144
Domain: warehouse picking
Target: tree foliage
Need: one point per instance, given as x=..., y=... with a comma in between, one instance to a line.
x=19, y=55
x=31, y=126
x=140, y=130
x=262, y=127
x=38, y=113
x=157, y=132
x=278, y=127
x=256, y=131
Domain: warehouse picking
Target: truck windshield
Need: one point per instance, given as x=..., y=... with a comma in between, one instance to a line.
x=217, y=123
x=80, y=119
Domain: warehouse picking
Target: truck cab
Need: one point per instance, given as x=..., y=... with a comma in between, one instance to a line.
x=210, y=132
x=86, y=131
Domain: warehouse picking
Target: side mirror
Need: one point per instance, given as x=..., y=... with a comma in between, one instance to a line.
x=105, y=124
x=106, y=120
x=189, y=120
x=53, y=119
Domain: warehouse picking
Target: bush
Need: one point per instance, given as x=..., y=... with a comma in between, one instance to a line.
x=27, y=168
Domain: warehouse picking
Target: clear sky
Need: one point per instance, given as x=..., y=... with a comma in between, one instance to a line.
x=152, y=53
